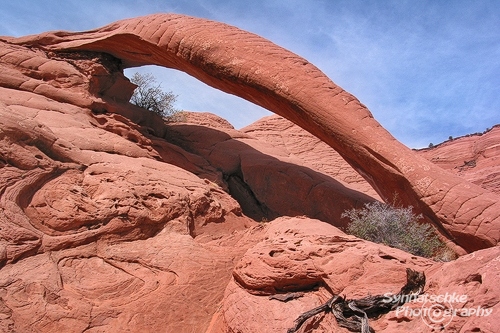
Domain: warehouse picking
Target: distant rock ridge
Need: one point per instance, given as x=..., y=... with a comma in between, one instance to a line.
x=451, y=139
x=475, y=157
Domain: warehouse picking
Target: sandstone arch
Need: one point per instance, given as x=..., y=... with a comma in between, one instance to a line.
x=253, y=68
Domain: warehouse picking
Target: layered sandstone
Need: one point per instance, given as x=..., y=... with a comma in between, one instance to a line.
x=310, y=150
x=112, y=220
x=105, y=226
x=253, y=68
x=474, y=157
x=311, y=256
x=266, y=180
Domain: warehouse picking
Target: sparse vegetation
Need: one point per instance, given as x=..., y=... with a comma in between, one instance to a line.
x=150, y=96
x=431, y=145
x=396, y=227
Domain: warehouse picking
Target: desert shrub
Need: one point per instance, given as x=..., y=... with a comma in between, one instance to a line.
x=396, y=227
x=150, y=96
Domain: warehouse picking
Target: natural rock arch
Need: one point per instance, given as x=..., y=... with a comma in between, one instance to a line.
x=259, y=71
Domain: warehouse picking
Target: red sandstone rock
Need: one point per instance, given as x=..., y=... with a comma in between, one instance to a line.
x=259, y=175
x=205, y=119
x=112, y=220
x=253, y=68
x=474, y=157
x=478, y=163
x=312, y=152
x=104, y=225
x=319, y=259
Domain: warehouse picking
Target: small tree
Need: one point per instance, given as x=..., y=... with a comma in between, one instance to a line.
x=396, y=227
x=150, y=96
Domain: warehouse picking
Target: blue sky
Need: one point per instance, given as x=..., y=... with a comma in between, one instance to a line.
x=426, y=69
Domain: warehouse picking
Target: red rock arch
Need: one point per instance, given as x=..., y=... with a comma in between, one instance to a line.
x=259, y=71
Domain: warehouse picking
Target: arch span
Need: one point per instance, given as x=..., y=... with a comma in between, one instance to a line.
x=259, y=71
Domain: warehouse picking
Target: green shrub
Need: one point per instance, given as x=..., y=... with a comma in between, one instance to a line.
x=396, y=227
x=150, y=96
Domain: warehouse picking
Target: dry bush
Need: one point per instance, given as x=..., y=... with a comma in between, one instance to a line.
x=150, y=96
x=396, y=227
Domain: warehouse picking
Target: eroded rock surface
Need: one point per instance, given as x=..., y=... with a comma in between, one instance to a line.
x=474, y=157
x=310, y=150
x=253, y=68
x=261, y=176
x=320, y=260
x=105, y=226
x=112, y=220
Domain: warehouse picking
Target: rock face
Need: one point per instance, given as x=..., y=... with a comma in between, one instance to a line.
x=253, y=68
x=258, y=175
x=474, y=157
x=313, y=152
x=89, y=203
x=305, y=256
x=112, y=220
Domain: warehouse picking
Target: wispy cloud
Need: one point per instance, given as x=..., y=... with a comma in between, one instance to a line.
x=426, y=69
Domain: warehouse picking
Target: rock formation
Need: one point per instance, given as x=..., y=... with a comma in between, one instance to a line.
x=310, y=150
x=326, y=261
x=474, y=157
x=258, y=175
x=112, y=220
x=253, y=68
